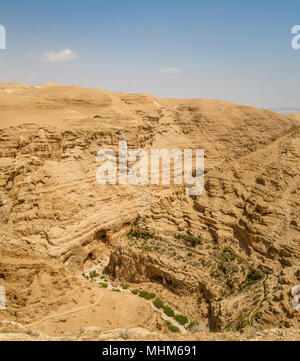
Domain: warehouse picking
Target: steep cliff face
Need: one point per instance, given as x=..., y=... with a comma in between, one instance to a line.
x=52, y=206
x=35, y=284
x=251, y=206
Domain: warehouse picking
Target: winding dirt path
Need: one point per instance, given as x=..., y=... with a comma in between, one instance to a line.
x=253, y=312
x=98, y=279
x=64, y=313
x=110, y=287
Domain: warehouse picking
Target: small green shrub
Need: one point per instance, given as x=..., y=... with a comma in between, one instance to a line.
x=94, y=274
x=158, y=303
x=103, y=284
x=227, y=255
x=171, y=327
x=252, y=277
x=116, y=290
x=136, y=233
x=147, y=249
x=178, y=236
x=192, y=240
x=181, y=319
x=135, y=292
x=148, y=296
x=125, y=286
x=168, y=311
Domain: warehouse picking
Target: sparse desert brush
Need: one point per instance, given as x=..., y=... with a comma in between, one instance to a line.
x=181, y=319
x=135, y=292
x=171, y=327
x=125, y=286
x=178, y=236
x=227, y=255
x=116, y=290
x=216, y=273
x=94, y=274
x=168, y=311
x=158, y=303
x=252, y=278
x=194, y=241
x=135, y=232
x=147, y=295
x=147, y=249
x=103, y=284
x=191, y=240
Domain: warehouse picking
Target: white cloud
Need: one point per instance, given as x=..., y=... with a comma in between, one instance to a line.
x=170, y=70
x=62, y=55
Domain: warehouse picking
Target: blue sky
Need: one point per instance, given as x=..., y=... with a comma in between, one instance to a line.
x=230, y=50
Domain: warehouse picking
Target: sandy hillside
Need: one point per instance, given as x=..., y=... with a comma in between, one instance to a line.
x=295, y=117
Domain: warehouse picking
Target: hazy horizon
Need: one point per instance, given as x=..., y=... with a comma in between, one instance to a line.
x=229, y=51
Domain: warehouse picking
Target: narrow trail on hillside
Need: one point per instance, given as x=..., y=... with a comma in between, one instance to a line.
x=119, y=289
x=64, y=313
x=253, y=312
x=111, y=288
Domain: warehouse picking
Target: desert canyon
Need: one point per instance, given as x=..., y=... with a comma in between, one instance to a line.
x=84, y=261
